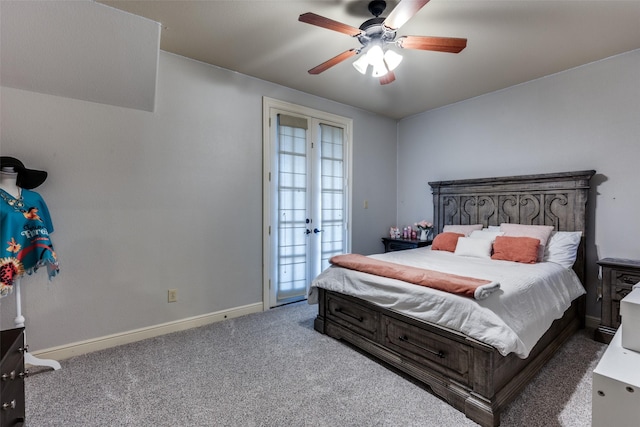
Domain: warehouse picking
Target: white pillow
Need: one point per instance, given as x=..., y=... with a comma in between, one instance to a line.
x=493, y=228
x=479, y=248
x=562, y=247
x=463, y=229
x=486, y=234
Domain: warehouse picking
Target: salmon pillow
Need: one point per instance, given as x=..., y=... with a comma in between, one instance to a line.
x=540, y=232
x=446, y=242
x=518, y=249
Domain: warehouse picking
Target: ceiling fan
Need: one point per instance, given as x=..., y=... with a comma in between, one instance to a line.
x=377, y=34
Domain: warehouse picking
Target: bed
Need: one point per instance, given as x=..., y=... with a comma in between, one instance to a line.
x=475, y=377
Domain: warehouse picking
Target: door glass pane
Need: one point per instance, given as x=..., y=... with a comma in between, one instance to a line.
x=292, y=212
x=331, y=193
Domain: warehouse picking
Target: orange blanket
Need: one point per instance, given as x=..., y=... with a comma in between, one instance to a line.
x=460, y=285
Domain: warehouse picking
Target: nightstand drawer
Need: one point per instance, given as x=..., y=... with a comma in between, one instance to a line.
x=623, y=283
x=626, y=279
x=401, y=246
x=12, y=375
x=391, y=245
x=618, y=278
x=618, y=292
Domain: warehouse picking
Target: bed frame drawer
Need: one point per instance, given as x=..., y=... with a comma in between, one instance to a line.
x=353, y=316
x=427, y=348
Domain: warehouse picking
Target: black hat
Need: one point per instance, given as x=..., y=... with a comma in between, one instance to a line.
x=27, y=178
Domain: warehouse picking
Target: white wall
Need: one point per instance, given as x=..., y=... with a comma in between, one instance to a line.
x=584, y=118
x=79, y=49
x=143, y=202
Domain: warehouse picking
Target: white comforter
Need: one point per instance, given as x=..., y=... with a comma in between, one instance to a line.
x=512, y=319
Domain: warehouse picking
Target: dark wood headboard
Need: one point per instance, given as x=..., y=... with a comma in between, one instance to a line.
x=557, y=199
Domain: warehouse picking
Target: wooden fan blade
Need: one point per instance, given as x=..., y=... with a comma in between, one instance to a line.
x=403, y=12
x=388, y=78
x=333, y=61
x=440, y=44
x=321, y=21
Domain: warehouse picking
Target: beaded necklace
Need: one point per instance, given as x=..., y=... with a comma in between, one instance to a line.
x=16, y=204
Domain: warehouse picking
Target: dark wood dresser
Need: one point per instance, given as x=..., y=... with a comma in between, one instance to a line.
x=391, y=245
x=618, y=277
x=12, y=375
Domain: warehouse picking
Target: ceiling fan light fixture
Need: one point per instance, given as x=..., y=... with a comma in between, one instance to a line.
x=375, y=56
x=379, y=70
x=376, y=59
x=361, y=64
x=392, y=59
x=377, y=34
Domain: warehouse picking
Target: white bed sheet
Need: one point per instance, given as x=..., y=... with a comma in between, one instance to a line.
x=512, y=319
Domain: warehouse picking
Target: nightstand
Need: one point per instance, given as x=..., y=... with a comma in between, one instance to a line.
x=618, y=277
x=12, y=374
x=391, y=245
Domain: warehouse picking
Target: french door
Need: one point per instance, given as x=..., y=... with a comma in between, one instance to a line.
x=306, y=198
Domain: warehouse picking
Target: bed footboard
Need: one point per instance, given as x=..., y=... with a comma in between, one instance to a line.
x=471, y=376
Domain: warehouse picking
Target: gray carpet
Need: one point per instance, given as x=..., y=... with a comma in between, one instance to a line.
x=273, y=369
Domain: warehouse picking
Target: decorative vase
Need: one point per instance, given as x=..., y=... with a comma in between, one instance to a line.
x=424, y=234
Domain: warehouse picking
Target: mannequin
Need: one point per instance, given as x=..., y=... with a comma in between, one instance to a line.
x=13, y=204
x=8, y=177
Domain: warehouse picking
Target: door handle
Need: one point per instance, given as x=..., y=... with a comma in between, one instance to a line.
x=315, y=230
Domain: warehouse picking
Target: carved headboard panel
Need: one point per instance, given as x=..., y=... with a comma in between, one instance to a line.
x=557, y=199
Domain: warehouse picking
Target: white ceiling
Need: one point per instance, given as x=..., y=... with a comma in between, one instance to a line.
x=509, y=42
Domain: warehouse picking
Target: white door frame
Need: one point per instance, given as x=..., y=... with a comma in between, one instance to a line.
x=267, y=165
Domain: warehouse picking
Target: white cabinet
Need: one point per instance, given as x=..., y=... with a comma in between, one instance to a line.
x=616, y=387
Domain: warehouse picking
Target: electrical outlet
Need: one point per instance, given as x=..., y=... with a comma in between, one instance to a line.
x=366, y=204
x=172, y=295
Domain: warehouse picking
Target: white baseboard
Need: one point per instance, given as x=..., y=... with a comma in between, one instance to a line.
x=82, y=347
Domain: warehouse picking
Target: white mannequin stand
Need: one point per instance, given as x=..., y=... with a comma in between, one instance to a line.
x=8, y=184
x=19, y=322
